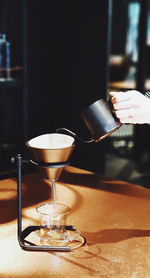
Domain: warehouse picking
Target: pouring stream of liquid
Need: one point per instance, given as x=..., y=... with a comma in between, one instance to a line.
x=53, y=192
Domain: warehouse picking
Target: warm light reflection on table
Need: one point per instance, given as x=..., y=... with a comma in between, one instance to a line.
x=114, y=216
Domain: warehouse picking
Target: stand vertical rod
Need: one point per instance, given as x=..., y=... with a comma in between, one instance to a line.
x=19, y=195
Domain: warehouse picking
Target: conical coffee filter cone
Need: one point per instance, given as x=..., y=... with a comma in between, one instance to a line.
x=54, y=148
x=51, y=148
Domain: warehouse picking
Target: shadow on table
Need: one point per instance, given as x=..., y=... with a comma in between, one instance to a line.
x=106, y=184
x=114, y=235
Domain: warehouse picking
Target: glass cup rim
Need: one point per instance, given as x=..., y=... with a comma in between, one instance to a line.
x=66, y=211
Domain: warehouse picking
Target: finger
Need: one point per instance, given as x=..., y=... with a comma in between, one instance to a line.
x=123, y=105
x=114, y=94
x=120, y=96
x=124, y=113
x=124, y=96
x=132, y=120
x=128, y=120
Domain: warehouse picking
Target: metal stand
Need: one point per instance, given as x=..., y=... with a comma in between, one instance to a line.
x=22, y=234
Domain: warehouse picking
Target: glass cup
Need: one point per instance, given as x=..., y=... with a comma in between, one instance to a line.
x=53, y=219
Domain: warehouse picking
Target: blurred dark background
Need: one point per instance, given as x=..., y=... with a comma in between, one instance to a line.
x=64, y=56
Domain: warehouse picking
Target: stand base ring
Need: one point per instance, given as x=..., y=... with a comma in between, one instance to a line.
x=30, y=241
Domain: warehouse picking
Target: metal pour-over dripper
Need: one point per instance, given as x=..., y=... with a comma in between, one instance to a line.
x=51, y=152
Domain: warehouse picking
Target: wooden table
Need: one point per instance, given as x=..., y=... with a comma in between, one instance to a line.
x=114, y=216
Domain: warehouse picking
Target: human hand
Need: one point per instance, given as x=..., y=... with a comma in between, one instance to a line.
x=131, y=107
